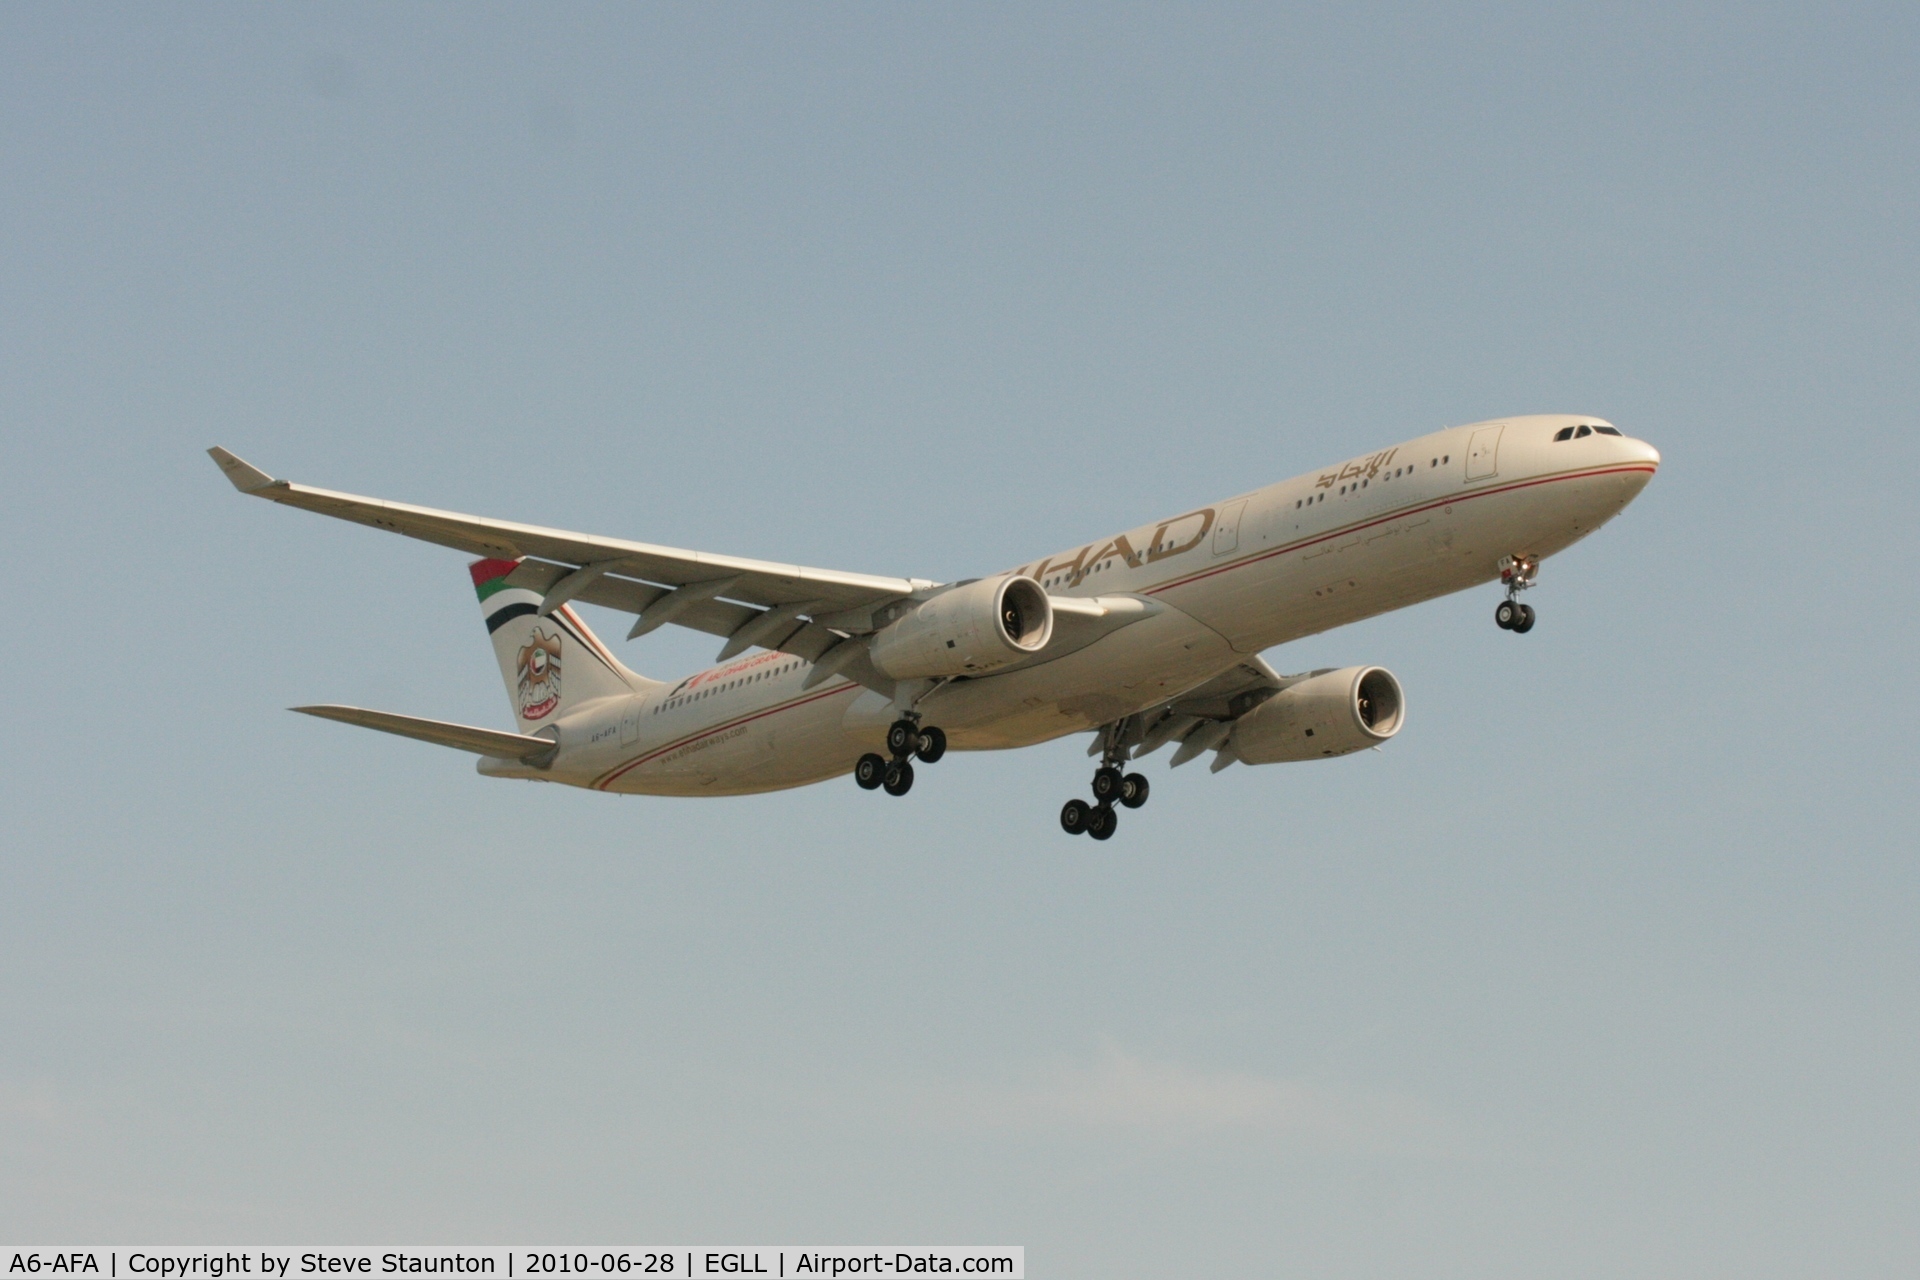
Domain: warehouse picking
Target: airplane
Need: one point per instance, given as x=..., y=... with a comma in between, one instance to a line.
x=1147, y=638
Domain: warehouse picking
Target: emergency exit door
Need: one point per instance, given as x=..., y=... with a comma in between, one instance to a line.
x=1483, y=453
x=1226, y=530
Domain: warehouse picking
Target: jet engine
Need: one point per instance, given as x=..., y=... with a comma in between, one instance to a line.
x=967, y=630
x=1330, y=713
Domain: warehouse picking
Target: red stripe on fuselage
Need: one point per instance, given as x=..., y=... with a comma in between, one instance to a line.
x=604, y=780
x=1394, y=515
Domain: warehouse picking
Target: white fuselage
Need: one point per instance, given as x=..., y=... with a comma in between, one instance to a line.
x=1422, y=519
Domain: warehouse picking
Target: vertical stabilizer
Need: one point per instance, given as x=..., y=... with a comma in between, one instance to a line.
x=551, y=664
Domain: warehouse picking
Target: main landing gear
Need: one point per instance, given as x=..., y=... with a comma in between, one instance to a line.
x=1110, y=787
x=1517, y=573
x=906, y=741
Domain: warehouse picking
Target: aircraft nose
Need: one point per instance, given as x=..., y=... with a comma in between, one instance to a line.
x=1644, y=452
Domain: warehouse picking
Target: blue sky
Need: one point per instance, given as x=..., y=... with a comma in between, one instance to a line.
x=1606, y=965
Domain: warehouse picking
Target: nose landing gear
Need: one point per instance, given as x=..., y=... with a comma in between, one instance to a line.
x=1517, y=573
x=1513, y=616
x=906, y=742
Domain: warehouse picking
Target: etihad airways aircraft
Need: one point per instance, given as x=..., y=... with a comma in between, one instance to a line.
x=1149, y=637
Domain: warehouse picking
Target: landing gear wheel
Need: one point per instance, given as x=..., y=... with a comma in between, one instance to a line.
x=871, y=771
x=1107, y=784
x=1074, y=815
x=1133, y=790
x=1102, y=822
x=899, y=778
x=1507, y=614
x=933, y=745
x=1524, y=623
x=902, y=738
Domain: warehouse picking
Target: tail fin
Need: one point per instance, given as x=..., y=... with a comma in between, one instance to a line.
x=551, y=663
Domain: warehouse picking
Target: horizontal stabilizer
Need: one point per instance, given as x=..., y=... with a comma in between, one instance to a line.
x=485, y=742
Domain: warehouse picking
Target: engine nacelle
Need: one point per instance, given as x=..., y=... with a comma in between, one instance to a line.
x=968, y=630
x=1330, y=713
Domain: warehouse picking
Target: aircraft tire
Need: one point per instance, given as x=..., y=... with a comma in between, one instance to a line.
x=1102, y=822
x=1524, y=623
x=899, y=778
x=1505, y=615
x=902, y=739
x=1107, y=784
x=1073, y=816
x=1133, y=790
x=871, y=771
x=933, y=745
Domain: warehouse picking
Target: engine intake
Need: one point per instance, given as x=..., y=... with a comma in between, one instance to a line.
x=967, y=630
x=1330, y=713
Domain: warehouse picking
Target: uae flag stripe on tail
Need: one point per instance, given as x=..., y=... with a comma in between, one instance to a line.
x=499, y=602
x=490, y=576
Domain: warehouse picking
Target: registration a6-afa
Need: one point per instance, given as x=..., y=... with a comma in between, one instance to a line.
x=75, y=1263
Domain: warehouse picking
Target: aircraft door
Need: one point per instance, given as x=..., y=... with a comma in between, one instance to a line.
x=1226, y=530
x=1483, y=453
x=630, y=723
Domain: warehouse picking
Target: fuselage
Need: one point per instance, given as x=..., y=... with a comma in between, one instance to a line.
x=1400, y=525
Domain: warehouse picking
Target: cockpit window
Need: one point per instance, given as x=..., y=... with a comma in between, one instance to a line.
x=1583, y=433
x=1608, y=431
x=1564, y=433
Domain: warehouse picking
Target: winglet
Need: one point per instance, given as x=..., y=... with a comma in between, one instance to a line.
x=245, y=478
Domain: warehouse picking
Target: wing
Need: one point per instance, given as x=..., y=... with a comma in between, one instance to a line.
x=776, y=606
